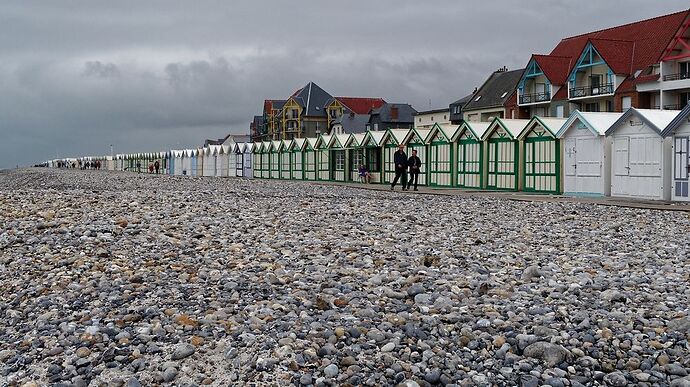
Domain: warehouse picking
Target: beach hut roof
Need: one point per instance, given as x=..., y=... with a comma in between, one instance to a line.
x=552, y=125
x=397, y=135
x=596, y=122
x=679, y=120
x=658, y=120
x=375, y=138
x=448, y=131
x=512, y=127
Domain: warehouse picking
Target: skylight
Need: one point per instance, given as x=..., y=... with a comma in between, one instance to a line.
x=504, y=94
x=478, y=98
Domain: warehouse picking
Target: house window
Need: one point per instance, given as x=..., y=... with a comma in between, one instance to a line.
x=684, y=69
x=432, y=118
x=592, y=107
x=295, y=113
x=445, y=117
x=684, y=99
x=368, y=126
x=419, y=119
x=376, y=126
x=626, y=102
x=609, y=106
x=560, y=111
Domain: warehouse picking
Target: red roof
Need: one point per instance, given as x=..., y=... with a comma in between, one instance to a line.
x=555, y=67
x=360, y=105
x=626, y=48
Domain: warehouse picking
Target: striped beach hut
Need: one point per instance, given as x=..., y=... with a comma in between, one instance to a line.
x=338, y=156
x=373, y=151
x=416, y=140
x=541, y=160
x=266, y=160
x=257, y=159
x=274, y=151
x=295, y=149
x=310, y=166
x=323, y=159
x=355, y=154
x=237, y=169
x=439, y=140
x=470, y=155
x=392, y=138
x=247, y=160
x=285, y=160
x=503, y=153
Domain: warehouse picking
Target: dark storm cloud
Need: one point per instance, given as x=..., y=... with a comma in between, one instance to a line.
x=76, y=77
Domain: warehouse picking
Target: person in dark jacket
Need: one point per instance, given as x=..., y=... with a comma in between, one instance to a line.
x=400, y=160
x=415, y=163
x=157, y=166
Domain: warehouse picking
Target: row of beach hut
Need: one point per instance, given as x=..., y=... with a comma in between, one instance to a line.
x=637, y=154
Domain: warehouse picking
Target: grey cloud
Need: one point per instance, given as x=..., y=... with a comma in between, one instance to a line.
x=76, y=77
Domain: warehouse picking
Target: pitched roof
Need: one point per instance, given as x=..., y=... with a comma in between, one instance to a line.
x=495, y=91
x=597, y=122
x=361, y=105
x=476, y=128
x=462, y=101
x=312, y=98
x=658, y=120
x=273, y=104
x=552, y=125
x=555, y=68
x=513, y=127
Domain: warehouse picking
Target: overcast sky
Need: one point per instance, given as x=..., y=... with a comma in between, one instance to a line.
x=76, y=77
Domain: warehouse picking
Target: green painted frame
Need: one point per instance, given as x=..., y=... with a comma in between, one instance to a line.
x=462, y=147
x=531, y=142
x=516, y=166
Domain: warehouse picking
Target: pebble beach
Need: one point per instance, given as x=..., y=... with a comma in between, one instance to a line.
x=122, y=279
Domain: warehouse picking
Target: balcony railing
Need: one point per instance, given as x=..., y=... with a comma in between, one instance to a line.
x=591, y=91
x=536, y=97
x=673, y=107
x=676, y=77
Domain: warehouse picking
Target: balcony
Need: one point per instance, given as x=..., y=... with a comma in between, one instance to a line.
x=591, y=91
x=535, y=98
x=676, y=77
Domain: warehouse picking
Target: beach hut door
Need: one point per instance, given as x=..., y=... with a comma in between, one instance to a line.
x=681, y=166
x=621, y=145
x=570, y=157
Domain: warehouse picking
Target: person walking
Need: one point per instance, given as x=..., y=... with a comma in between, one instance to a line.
x=415, y=163
x=400, y=160
x=157, y=166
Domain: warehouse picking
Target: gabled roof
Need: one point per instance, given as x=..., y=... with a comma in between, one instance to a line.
x=447, y=130
x=658, y=120
x=374, y=138
x=310, y=142
x=312, y=98
x=354, y=140
x=420, y=133
x=338, y=140
x=397, y=135
x=679, y=120
x=596, y=122
x=297, y=143
x=552, y=125
x=629, y=47
x=555, y=68
x=512, y=127
x=238, y=147
x=495, y=91
x=322, y=140
x=476, y=128
x=361, y=105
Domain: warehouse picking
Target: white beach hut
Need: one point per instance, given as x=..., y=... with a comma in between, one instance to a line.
x=586, y=153
x=392, y=138
x=641, y=157
x=237, y=169
x=356, y=154
x=441, y=152
x=679, y=133
x=295, y=149
x=285, y=160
